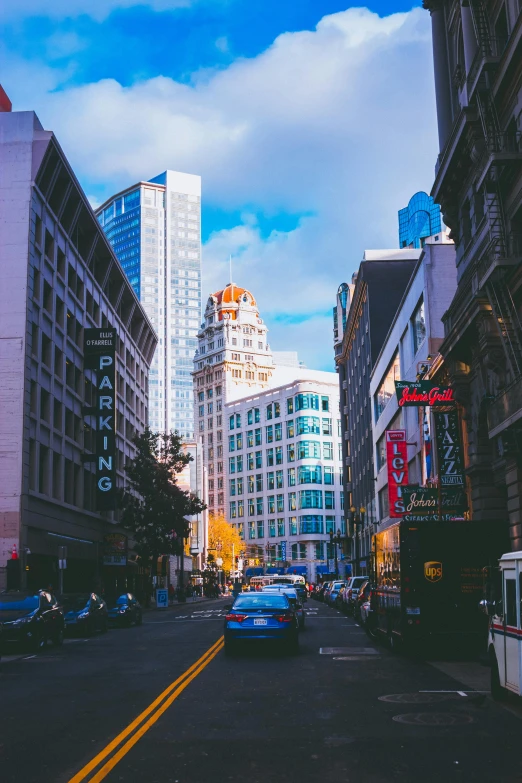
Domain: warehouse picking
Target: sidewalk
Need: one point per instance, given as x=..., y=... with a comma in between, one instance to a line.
x=470, y=673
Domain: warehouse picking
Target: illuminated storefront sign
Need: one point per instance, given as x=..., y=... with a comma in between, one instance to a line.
x=397, y=459
x=426, y=502
x=100, y=355
x=420, y=393
x=450, y=455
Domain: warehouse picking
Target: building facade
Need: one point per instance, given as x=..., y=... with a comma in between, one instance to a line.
x=419, y=220
x=283, y=472
x=378, y=288
x=412, y=343
x=477, y=50
x=233, y=358
x=59, y=277
x=154, y=228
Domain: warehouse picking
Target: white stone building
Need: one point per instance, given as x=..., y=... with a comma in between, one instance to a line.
x=413, y=341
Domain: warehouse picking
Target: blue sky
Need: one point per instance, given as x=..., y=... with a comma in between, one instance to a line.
x=310, y=122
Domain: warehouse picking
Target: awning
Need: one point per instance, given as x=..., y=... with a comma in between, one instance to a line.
x=254, y=571
x=322, y=569
x=275, y=570
x=301, y=570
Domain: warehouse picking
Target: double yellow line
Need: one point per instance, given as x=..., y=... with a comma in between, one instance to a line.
x=115, y=750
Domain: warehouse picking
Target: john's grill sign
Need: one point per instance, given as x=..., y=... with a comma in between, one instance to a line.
x=423, y=393
x=100, y=355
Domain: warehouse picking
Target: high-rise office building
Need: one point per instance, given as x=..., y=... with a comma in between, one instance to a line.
x=419, y=220
x=154, y=228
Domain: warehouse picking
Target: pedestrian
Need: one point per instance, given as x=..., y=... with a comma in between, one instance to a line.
x=172, y=593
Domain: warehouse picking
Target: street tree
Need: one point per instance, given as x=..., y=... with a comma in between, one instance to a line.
x=154, y=507
x=223, y=540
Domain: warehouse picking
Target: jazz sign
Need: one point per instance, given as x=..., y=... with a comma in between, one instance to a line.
x=397, y=459
x=100, y=355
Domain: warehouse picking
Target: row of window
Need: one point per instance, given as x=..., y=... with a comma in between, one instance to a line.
x=305, y=474
x=306, y=498
x=308, y=524
x=304, y=425
x=305, y=449
x=273, y=409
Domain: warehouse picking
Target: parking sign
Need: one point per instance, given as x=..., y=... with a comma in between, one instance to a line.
x=162, y=598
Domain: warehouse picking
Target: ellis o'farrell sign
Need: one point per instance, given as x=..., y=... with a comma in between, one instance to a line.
x=423, y=393
x=100, y=355
x=397, y=459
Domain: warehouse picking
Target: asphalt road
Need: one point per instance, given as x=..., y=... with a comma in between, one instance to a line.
x=343, y=710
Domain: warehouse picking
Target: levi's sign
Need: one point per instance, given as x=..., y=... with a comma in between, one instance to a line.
x=100, y=355
x=397, y=458
x=422, y=393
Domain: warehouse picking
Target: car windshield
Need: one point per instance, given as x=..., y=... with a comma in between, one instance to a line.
x=261, y=602
x=74, y=603
x=338, y=585
x=123, y=599
x=18, y=603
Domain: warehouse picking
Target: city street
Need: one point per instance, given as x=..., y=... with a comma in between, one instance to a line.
x=344, y=709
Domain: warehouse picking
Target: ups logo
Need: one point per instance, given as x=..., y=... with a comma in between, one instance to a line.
x=433, y=571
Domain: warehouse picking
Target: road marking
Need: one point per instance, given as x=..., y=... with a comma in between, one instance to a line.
x=154, y=710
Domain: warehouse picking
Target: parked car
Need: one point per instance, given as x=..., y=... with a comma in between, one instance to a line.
x=350, y=594
x=30, y=619
x=261, y=617
x=323, y=588
x=339, y=598
x=363, y=595
x=85, y=613
x=333, y=592
x=125, y=610
x=294, y=599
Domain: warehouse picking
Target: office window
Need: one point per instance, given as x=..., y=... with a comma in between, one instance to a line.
x=381, y=451
x=327, y=426
x=280, y=503
x=292, y=501
x=257, y=415
x=238, y=421
x=241, y=508
x=291, y=477
x=251, y=507
x=386, y=389
x=293, y=526
x=269, y=457
x=308, y=449
x=250, y=416
x=277, y=410
x=231, y=443
x=269, y=412
x=290, y=428
x=250, y=439
x=278, y=431
x=290, y=452
x=311, y=524
x=233, y=511
x=239, y=440
x=319, y=550
x=252, y=529
x=232, y=486
x=329, y=499
x=260, y=528
x=310, y=498
x=304, y=401
x=330, y=525
x=271, y=504
x=251, y=484
x=259, y=506
x=280, y=527
x=308, y=425
x=258, y=437
x=259, y=482
x=270, y=480
x=239, y=463
x=328, y=450
x=298, y=551
x=241, y=530
x=269, y=434
x=271, y=528
x=325, y=403
x=418, y=324
x=279, y=479
x=279, y=455
x=250, y=460
x=290, y=405
x=329, y=476
x=309, y=474
x=259, y=459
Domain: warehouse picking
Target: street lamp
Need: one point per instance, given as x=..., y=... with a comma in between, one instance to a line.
x=335, y=541
x=356, y=519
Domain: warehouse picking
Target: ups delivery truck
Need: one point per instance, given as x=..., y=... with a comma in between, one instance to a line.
x=429, y=580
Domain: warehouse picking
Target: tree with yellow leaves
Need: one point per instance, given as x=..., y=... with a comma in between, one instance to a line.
x=223, y=540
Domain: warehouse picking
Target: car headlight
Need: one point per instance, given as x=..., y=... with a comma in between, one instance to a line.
x=122, y=611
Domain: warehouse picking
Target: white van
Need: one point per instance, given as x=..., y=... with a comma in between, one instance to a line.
x=505, y=629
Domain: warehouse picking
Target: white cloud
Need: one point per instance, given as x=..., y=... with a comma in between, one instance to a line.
x=338, y=123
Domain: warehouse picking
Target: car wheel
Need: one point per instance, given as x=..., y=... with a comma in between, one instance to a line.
x=393, y=642
x=58, y=638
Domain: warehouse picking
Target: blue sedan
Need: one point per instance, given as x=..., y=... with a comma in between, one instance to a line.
x=256, y=617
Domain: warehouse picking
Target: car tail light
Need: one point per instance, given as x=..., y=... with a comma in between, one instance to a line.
x=238, y=618
x=284, y=618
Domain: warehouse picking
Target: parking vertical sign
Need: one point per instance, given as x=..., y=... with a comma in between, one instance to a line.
x=162, y=598
x=283, y=550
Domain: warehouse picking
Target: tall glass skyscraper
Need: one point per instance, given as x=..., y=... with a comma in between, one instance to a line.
x=420, y=219
x=155, y=230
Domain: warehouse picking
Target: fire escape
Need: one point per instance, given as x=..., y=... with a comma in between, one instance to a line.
x=500, y=160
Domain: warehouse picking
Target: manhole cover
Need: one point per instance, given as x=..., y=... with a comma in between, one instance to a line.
x=348, y=651
x=419, y=698
x=433, y=719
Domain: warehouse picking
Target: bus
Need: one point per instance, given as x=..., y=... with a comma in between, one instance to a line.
x=288, y=579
